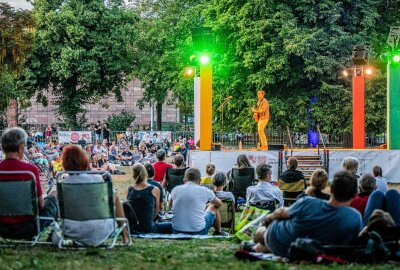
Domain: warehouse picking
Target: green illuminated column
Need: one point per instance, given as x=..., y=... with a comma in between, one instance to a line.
x=393, y=103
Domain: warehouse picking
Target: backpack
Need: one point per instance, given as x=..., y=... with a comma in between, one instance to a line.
x=130, y=215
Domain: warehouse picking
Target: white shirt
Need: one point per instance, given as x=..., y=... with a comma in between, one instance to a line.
x=189, y=206
x=381, y=184
x=263, y=192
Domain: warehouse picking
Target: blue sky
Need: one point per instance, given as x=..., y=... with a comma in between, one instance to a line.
x=19, y=4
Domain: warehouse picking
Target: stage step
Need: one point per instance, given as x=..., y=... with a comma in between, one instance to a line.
x=308, y=164
x=305, y=157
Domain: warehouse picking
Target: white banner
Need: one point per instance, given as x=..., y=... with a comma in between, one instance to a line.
x=74, y=136
x=155, y=136
x=226, y=160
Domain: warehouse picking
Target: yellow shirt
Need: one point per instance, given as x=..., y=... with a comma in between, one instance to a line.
x=206, y=180
x=57, y=166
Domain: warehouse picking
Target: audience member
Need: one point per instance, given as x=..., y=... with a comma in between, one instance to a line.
x=350, y=164
x=113, y=153
x=150, y=173
x=105, y=165
x=318, y=181
x=264, y=193
x=207, y=180
x=292, y=182
x=145, y=201
x=381, y=183
x=126, y=156
x=242, y=162
x=332, y=222
x=366, y=184
x=195, y=207
x=106, y=132
x=136, y=155
x=219, y=182
x=160, y=167
x=98, y=148
x=88, y=232
x=13, y=142
x=389, y=202
x=97, y=130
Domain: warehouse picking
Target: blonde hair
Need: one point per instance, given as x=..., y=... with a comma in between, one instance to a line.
x=318, y=181
x=210, y=169
x=380, y=220
x=292, y=163
x=139, y=173
x=350, y=164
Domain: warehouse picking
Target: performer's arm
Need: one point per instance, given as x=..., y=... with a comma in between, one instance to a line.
x=263, y=107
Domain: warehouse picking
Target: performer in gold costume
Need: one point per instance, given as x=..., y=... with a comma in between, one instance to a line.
x=261, y=116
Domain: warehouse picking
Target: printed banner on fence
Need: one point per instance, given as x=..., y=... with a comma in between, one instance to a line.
x=155, y=136
x=74, y=136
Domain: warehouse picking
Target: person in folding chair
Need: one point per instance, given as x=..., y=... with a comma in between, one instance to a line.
x=88, y=232
x=13, y=142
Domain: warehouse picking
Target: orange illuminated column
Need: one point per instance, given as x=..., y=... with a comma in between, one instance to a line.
x=358, y=113
x=206, y=107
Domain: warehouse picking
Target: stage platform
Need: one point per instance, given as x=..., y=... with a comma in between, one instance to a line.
x=224, y=160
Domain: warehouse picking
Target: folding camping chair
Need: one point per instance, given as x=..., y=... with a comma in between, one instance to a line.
x=19, y=198
x=173, y=177
x=87, y=201
x=227, y=212
x=241, y=179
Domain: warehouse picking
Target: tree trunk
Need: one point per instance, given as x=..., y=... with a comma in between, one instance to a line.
x=159, y=116
x=12, y=113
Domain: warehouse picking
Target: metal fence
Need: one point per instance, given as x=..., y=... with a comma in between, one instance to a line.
x=250, y=140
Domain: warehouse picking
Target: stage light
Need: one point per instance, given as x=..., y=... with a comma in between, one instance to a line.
x=204, y=59
x=189, y=72
x=396, y=58
x=368, y=71
x=345, y=73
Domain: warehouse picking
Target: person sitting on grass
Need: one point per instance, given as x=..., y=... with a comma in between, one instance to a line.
x=113, y=154
x=381, y=183
x=318, y=182
x=126, y=156
x=88, y=232
x=264, y=193
x=150, y=173
x=13, y=143
x=210, y=170
x=160, y=167
x=366, y=184
x=332, y=222
x=104, y=165
x=219, y=182
x=195, y=207
x=145, y=201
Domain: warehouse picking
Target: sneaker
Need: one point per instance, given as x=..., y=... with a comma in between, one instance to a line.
x=119, y=172
x=221, y=233
x=247, y=245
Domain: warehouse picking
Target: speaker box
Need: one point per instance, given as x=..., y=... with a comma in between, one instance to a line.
x=276, y=146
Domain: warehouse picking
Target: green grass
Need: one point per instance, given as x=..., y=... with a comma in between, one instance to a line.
x=149, y=254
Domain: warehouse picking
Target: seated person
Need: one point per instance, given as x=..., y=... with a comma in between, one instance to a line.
x=381, y=183
x=150, y=156
x=56, y=164
x=219, y=182
x=195, y=207
x=318, y=181
x=350, y=164
x=150, y=173
x=145, y=201
x=264, y=192
x=126, y=157
x=292, y=182
x=99, y=149
x=366, y=184
x=378, y=221
x=207, y=180
x=88, y=232
x=332, y=222
x=104, y=165
x=38, y=157
x=113, y=153
x=137, y=156
x=13, y=143
x=389, y=202
x=160, y=167
x=178, y=164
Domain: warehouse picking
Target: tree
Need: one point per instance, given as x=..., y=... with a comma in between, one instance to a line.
x=82, y=53
x=16, y=39
x=121, y=121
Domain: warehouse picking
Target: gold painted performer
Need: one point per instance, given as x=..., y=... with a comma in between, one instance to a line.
x=261, y=116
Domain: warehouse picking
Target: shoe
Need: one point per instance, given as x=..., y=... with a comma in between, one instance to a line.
x=119, y=172
x=221, y=233
x=247, y=245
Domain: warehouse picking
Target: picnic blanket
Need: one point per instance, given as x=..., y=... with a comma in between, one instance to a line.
x=179, y=236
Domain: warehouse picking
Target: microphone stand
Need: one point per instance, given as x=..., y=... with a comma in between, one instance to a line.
x=221, y=108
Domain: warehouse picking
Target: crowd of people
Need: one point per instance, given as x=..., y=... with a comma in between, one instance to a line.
x=334, y=215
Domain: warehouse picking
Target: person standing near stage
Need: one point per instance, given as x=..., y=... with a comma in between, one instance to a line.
x=261, y=116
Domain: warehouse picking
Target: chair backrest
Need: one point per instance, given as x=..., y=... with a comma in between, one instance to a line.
x=242, y=179
x=227, y=212
x=86, y=201
x=174, y=177
x=18, y=197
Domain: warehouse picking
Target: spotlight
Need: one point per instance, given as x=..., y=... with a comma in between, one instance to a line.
x=368, y=71
x=189, y=72
x=345, y=73
x=396, y=58
x=204, y=59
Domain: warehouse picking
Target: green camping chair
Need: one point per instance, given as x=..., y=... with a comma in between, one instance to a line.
x=227, y=212
x=88, y=201
x=19, y=198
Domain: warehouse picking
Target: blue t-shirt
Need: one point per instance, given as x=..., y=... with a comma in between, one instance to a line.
x=315, y=219
x=158, y=185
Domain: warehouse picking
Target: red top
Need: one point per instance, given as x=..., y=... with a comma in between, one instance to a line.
x=160, y=168
x=12, y=164
x=360, y=202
